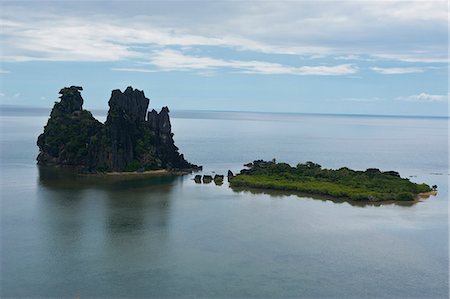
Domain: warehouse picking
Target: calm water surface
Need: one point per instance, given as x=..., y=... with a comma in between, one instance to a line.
x=64, y=236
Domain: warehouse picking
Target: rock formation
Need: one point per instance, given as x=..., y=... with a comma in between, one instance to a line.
x=218, y=179
x=198, y=178
x=207, y=179
x=131, y=139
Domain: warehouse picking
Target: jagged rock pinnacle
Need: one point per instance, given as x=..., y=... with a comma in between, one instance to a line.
x=126, y=142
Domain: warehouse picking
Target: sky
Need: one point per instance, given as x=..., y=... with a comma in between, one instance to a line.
x=343, y=57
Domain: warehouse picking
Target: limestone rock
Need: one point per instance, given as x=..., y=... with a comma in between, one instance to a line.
x=71, y=100
x=218, y=177
x=207, y=179
x=198, y=178
x=130, y=140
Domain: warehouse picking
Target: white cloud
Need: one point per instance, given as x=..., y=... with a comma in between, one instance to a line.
x=62, y=40
x=79, y=39
x=348, y=57
x=171, y=60
x=4, y=71
x=397, y=70
x=424, y=97
x=413, y=31
x=415, y=10
x=421, y=57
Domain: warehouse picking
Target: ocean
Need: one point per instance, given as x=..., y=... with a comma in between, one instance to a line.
x=65, y=236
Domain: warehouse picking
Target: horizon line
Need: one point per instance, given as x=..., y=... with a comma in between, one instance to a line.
x=21, y=107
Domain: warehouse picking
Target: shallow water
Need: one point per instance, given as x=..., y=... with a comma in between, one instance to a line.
x=63, y=236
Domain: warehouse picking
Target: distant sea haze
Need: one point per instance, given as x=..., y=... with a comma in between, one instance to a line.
x=209, y=114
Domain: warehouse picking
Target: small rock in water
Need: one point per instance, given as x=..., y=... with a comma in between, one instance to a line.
x=207, y=179
x=198, y=179
x=218, y=179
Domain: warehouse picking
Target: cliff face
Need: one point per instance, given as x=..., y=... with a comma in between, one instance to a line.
x=131, y=139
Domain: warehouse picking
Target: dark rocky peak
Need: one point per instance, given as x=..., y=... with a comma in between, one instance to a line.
x=164, y=121
x=152, y=119
x=160, y=122
x=71, y=99
x=125, y=142
x=131, y=102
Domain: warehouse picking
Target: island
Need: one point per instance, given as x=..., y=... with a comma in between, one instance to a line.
x=131, y=140
x=370, y=185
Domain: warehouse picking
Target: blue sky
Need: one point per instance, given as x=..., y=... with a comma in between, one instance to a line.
x=363, y=57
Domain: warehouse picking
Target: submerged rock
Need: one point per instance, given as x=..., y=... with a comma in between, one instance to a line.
x=131, y=139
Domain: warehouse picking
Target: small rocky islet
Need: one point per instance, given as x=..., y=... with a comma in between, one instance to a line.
x=131, y=140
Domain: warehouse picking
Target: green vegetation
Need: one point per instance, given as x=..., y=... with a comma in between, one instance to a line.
x=67, y=136
x=145, y=149
x=371, y=185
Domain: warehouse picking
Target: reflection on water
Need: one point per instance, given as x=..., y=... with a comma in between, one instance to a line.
x=126, y=204
x=66, y=178
x=354, y=203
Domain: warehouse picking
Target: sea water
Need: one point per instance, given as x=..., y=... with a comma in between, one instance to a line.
x=68, y=236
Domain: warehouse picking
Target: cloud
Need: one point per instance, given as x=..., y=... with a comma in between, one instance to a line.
x=79, y=39
x=424, y=97
x=171, y=60
x=414, y=31
x=62, y=40
x=397, y=70
x=421, y=57
x=4, y=71
x=348, y=57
